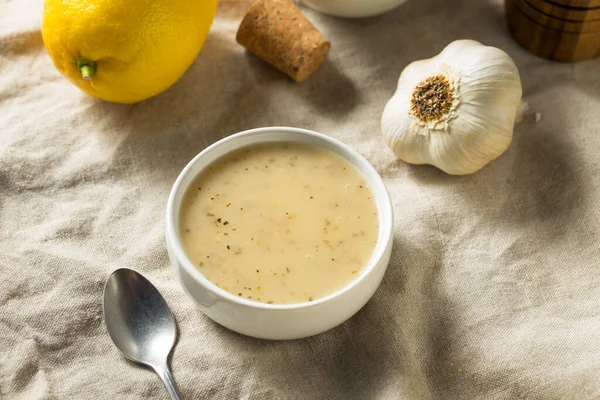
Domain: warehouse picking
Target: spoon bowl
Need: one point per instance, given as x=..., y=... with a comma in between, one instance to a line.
x=140, y=322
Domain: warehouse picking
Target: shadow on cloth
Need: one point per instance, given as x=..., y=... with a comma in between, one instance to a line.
x=328, y=91
x=354, y=360
x=535, y=178
x=165, y=132
x=21, y=43
x=372, y=355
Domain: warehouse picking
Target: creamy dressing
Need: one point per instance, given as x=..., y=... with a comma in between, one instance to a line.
x=279, y=223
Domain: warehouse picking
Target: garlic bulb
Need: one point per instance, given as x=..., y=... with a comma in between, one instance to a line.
x=455, y=111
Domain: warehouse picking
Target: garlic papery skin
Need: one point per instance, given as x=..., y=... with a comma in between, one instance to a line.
x=455, y=111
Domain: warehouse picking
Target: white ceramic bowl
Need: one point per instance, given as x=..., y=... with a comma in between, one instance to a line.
x=279, y=321
x=353, y=8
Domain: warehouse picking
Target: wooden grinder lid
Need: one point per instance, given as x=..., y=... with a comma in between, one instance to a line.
x=561, y=30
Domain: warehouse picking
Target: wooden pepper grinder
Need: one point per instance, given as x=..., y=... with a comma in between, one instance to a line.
x=561, y=30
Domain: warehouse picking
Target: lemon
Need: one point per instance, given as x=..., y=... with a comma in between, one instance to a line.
x=125, y=51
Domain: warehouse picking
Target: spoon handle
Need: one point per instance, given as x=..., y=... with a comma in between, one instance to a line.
x=165, y=374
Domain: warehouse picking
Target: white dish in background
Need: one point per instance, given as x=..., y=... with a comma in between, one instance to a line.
x=280, y=321
x=353, y=8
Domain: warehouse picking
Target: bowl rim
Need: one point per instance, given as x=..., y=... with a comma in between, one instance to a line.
x=381, y=196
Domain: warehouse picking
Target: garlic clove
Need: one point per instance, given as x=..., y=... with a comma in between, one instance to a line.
x=407, y=145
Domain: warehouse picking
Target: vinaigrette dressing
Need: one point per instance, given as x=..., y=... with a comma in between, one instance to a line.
x=279, y=223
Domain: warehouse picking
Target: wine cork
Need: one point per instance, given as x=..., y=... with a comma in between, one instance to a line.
x=277, y=32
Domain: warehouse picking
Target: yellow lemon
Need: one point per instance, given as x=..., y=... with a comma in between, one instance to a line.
x=125, y=50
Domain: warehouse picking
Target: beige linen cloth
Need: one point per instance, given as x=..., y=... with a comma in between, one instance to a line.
x=493, y=291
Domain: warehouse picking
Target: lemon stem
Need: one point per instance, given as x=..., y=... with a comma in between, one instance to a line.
x=86, y=67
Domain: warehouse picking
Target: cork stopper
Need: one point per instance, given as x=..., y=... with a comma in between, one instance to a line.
x=277, y=32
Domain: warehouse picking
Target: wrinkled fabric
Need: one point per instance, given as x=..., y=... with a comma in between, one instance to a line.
x=493, y=289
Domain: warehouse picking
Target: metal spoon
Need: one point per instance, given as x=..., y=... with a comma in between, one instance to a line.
x=140, y=323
